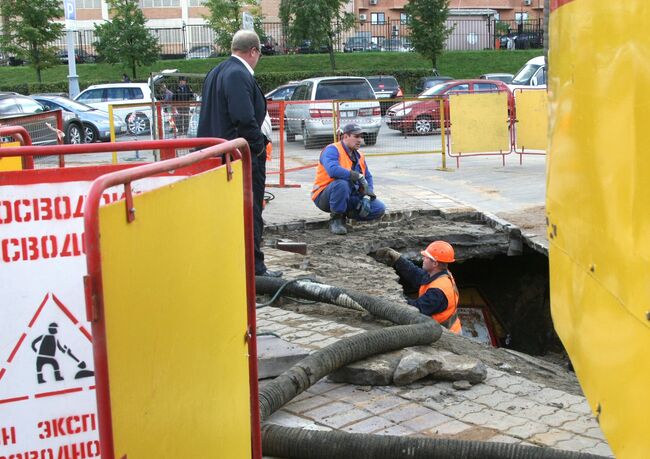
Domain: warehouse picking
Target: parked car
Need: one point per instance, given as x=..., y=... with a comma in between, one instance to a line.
x=200, y=52
x=423, y=116
x=523, y=40
x=307, y=47
x=80, y=56
x=399, y=45
x=13, y=104
x=137, y=119
x=283, y=92
x=270, y=46
x=314, y=120
x=385, y=87
x=429, y=82
x=96, y=126
x=532, y=74
x=358, y=44
x=505, y=77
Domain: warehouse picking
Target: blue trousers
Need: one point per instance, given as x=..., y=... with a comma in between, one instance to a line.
x=340, y=197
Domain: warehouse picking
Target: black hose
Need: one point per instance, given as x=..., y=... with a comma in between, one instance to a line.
x=291, y=442
x=413, y=329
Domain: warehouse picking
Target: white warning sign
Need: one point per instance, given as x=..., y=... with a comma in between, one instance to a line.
x=47, y=385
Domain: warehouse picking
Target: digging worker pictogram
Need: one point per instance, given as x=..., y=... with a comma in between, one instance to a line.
x=343, y=185
x=46, y=352
x=437, y=294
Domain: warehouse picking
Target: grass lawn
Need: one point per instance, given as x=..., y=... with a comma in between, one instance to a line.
x=458, y=64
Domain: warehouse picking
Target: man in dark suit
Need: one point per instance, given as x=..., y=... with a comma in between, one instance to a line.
x=233, y=106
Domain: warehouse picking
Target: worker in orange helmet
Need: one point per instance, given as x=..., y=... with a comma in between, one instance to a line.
x=438, y=294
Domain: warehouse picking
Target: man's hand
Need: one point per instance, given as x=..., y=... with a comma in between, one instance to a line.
x=387, y=256
x=371, y=194
x=363, y=185
x=354, y=176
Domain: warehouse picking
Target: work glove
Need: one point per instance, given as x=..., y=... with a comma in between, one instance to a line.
x=387, y=256
x=354, y=176
x=363, y=185
x=371, y=194
x=364, y=208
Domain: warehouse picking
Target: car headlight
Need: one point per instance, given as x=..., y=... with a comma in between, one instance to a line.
x=403, y=112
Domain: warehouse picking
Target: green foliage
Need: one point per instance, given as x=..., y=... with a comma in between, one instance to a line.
x=501, y=27
x=317, y=20
x=274, y=70
x=428, y=30
x=225, y=18
x=28, y=30
x=125, y=39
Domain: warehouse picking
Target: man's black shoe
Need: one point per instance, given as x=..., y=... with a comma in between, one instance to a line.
x=270, y=273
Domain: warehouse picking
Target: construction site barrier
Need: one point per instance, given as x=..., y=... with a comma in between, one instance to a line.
x=47, y=370
x=45, y=128
x=173, y=380
x=531, y=124
x=15, y=136
x=480, y=125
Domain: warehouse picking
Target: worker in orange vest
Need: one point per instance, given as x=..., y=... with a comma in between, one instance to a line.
x=437, y=294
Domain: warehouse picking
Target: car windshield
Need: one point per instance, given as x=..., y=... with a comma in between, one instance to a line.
x=344, y=90
x=435, y=90
x=70, y=105
x=383, y=83
x=525, y=74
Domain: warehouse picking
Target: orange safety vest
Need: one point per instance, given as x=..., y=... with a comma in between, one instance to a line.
x=447, y=318
x=322, y=177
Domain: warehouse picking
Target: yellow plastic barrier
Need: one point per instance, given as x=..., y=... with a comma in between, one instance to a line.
x=479, y=125
x=12, y=163
x=532, y=121
x=598, y=196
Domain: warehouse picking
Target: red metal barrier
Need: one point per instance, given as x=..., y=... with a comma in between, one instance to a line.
x=93, y=282
x=61, y=150
x=21, y=135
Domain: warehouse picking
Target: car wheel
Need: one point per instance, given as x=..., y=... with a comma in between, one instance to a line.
x=90, y=134
x=423, y=125
x=370, y=139
x=73, y=134
x=137, y=123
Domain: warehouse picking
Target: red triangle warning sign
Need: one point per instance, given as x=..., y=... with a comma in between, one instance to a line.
x=52, y=355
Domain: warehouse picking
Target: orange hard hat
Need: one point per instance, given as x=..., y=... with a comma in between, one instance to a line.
x=439, y=251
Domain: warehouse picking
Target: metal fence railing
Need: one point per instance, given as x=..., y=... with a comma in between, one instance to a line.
x=190, y=41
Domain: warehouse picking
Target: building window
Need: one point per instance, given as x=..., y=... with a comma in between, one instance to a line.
x=88, y=4
x=521, y=17
x=404, y=18
x=159, y=3
x=377, y=18
x=196, y=2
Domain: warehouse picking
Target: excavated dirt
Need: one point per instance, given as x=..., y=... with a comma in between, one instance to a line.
x=517, y=285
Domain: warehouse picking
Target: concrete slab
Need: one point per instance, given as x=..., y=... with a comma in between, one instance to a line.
x=275, y=356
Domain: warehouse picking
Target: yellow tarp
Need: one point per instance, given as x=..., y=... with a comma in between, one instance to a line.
x=176, y=318
x=598, y=202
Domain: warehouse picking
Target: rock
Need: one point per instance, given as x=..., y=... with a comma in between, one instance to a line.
x=275, y=356
x=374, y=371
x=461, y=367
x=461, y=385
x=414, y=366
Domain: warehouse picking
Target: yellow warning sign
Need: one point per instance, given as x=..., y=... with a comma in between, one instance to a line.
x=532, y=120
x=176, y=320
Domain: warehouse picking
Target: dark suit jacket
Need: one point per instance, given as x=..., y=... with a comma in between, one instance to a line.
x=233, y=105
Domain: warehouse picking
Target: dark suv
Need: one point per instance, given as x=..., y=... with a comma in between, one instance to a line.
x=385, y=87
x=14, y=106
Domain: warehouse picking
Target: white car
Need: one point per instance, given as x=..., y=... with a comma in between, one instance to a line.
x=314, y=120
x=531, y=75
x=137, y=119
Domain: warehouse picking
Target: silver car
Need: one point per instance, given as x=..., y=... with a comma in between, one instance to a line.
x=314, y=121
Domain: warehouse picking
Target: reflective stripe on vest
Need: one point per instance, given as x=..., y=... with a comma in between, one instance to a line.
x=447, y=318
x=322, y=177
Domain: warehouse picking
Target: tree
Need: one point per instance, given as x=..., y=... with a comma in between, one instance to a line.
x=125, y=39
x=29, y=29
x=225, y=18
x=428, y=30
x=319, y=21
